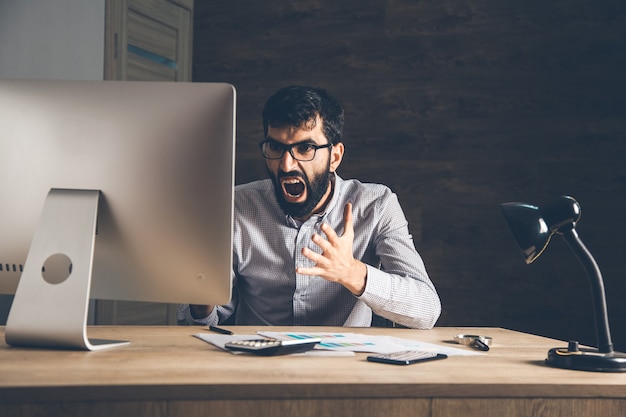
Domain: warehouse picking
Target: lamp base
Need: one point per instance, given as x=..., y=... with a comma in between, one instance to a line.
x=586, y=360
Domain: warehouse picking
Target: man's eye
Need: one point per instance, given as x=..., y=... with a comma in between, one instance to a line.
x=304, y=148
x=275, y=146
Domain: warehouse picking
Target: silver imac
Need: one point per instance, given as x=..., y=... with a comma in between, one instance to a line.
x=112, y=190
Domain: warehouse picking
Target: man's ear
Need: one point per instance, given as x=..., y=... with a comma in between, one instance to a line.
x=336, y=156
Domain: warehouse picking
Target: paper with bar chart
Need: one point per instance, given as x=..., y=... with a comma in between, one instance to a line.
x=356, y=342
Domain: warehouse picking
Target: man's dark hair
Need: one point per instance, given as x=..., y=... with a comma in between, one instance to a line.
x=298, y=105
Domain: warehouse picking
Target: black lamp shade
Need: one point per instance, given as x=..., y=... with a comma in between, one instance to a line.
x=533, y=227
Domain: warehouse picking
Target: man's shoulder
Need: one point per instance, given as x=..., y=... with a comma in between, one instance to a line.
x=355, y=187
x=254, y=193
x=259, y=185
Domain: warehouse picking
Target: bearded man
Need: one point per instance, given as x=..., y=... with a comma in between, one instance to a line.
x=310, y=248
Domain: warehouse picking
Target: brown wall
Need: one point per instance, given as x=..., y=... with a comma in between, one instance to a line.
x=458, y=106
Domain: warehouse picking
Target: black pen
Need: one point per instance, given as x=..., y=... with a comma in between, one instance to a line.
x=219, y=330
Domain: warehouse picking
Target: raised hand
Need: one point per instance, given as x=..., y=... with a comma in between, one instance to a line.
x=336, y=263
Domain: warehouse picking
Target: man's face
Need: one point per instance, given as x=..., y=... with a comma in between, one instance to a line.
x=303, y=187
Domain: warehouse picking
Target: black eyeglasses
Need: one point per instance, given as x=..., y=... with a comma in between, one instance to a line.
x=302, y=151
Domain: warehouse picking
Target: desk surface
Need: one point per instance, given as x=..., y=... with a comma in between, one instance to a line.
x=169, y=364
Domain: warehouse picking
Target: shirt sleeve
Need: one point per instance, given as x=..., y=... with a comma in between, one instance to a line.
x=183, y=317
x=401, y=290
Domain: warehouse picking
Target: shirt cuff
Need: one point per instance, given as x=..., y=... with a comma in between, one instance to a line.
x=377, y=287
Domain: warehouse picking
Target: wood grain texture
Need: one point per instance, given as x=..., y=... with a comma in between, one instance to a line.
x=167, y=372
x=458, y=106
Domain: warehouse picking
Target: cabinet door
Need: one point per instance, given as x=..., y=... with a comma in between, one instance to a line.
x=148, y=40
x=145, y=40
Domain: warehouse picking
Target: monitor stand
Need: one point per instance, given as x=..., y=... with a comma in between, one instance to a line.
x=52, y=298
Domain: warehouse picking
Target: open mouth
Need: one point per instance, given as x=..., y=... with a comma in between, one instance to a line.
x=293, y=187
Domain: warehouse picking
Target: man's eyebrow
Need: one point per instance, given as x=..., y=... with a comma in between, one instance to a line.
x=309, y=140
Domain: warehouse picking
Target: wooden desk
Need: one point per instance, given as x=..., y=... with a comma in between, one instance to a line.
x=167, y=372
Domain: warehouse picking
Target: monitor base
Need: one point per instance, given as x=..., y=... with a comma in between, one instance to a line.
x=52, y=297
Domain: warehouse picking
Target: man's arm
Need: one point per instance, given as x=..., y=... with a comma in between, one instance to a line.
x=199, y=312
x=190, y=314
x=402, y=292
x=336, y=263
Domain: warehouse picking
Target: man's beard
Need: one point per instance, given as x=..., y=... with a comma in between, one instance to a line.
x=315, y=192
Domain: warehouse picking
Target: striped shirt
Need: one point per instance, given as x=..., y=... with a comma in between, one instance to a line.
x=267, y=246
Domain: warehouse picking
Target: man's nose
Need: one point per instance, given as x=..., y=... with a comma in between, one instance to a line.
x=287, y=162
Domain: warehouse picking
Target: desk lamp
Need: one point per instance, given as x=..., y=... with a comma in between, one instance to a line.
x=533, y=227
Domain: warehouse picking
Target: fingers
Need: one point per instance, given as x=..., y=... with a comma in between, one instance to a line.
x=313, y=256
x=328, y=243
x=347, y=219
x=336, y=251
x=336, y=263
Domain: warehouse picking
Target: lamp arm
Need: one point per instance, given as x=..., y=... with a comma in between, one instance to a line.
x=597, y=289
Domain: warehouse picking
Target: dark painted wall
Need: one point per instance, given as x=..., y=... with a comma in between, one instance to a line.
x=458, y=106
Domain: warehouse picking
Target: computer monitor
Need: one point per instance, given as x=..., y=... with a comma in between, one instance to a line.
x=112, y=190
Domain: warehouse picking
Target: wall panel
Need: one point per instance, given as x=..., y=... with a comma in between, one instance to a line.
x=458, y=105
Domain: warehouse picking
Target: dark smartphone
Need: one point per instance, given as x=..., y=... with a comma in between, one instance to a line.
x=406, y=357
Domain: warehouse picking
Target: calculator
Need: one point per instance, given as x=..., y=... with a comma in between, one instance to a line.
x=271, y=347
x=406, y=357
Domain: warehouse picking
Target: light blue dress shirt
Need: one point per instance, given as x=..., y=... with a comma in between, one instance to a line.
x=267, y=246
